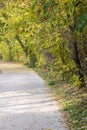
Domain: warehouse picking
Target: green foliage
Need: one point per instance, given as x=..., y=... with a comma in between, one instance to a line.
x=47, y=5
x=44, y=44
x=78, y=114
x=32, y=60
x=74, y=80
x=82, y=21
x=52, y=82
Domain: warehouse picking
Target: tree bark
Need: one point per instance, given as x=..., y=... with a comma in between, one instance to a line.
x=25, y=49
x=10, y=54
x=76, y=52
x=10, y=49
x=78, y=65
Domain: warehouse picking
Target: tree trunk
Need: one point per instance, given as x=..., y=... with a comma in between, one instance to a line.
x=10, y=55
x=78, y=65
x=25, y=49
x=76, y=52
x=10, y=48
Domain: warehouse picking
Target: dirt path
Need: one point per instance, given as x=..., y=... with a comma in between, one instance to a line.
x=25, y=103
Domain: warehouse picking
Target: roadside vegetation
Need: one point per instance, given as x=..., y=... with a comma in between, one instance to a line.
x=72, y=100
x=51, y=37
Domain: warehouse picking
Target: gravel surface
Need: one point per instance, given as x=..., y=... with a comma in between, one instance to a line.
x=25, y=103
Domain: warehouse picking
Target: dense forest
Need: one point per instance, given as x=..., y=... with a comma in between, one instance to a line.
x=50, y=35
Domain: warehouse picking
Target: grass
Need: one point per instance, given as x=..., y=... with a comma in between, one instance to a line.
x=76, y=106
x=73, y=101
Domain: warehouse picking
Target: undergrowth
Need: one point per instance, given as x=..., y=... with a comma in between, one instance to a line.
x=72, y=99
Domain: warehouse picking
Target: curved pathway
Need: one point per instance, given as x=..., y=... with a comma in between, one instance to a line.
x=25, y=103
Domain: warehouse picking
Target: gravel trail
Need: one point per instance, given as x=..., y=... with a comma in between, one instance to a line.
x=25, y=103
